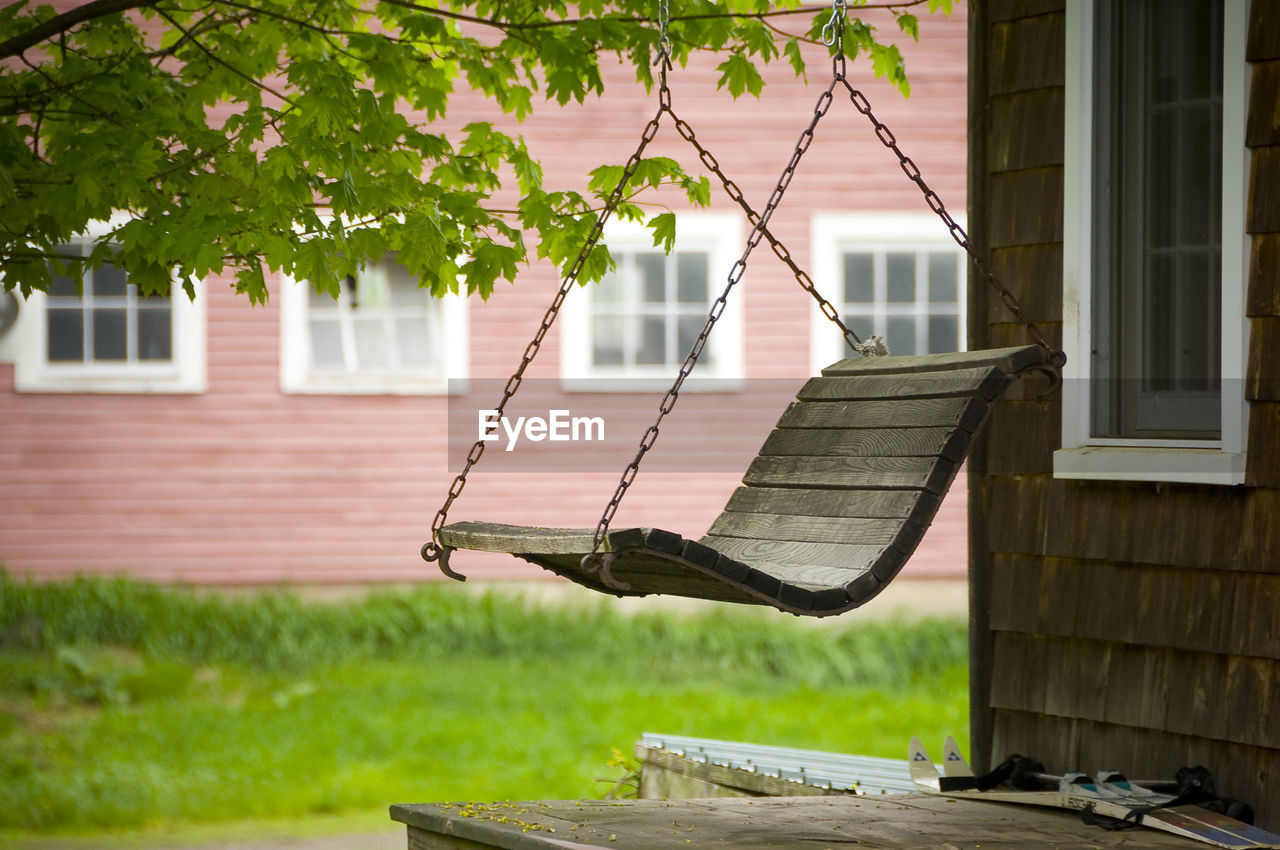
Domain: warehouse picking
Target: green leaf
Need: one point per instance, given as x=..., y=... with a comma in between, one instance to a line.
x=664, y=231
x=739, y=75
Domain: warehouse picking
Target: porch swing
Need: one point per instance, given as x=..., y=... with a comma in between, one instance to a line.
x=845, y=486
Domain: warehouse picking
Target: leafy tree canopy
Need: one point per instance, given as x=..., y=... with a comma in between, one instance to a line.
x=246, y=136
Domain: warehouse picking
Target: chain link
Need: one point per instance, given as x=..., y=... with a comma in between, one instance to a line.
x=434, y=550
x=760, y=230
x=735, y=194
x=1057, y=358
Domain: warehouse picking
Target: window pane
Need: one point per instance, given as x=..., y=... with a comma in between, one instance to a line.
x=108, y=281
x=943, y=275
x=155, y=333
x=326, y=344
x=859, y=279
x=688, y=329
x=65, y=341
x=606, y=340
x=944, y=334
x=651, y=348
x=110, y=334
x=653, y=277
x=414, y=343
x=405, y=291
x=63, y=287
x=691, y=278
x=900, y=270
x=900, y=335
x=1158, y=210
x=609, y=290
x=373, y=352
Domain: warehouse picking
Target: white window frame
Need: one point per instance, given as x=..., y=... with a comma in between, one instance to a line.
x=834, y=234
x=184, y=373
x=721, y=236
x=1084, y=456
x=297, y=376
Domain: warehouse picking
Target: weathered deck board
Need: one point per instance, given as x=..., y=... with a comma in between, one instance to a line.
x=911, y=413
x=790, y=823
x=907, y=473
x=821, y=442
x=985, y=382
x=898, y=504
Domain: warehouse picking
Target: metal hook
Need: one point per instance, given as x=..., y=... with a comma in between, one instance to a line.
x=664, y=38
x=833, y=29
x=440, y=554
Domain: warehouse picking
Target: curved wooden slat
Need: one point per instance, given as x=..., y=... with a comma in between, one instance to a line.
x=831, y=509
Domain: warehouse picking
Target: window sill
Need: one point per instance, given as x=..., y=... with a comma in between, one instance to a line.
x=368, y=385
x=108, y=381
x=1175, y=465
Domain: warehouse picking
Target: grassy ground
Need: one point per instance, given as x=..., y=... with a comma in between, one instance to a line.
x=124, y=706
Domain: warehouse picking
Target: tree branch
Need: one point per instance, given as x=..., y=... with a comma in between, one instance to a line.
x=61, y=23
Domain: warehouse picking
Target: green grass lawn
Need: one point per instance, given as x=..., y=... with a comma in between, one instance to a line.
x=124, y=706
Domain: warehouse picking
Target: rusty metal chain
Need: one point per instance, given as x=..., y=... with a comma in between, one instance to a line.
x=735, y=194
x=592, y=563
x=434, y=550
x=1057, y=358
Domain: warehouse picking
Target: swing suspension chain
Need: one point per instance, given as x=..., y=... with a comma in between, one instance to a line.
x=760, y=230
x=1057, y=358
x=735, y=194
x=434, y=550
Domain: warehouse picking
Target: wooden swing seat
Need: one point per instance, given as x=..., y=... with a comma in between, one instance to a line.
x=829, y=511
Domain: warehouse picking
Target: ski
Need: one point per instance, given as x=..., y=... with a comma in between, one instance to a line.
x=1110, y=797
x=1251, y=836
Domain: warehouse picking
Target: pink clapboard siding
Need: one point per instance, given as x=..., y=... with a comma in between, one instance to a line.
x=244, y=484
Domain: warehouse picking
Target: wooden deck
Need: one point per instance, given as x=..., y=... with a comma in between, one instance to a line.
x=812, y=823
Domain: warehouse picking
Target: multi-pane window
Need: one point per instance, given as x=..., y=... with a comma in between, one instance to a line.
x=1155, y=248
x=107, y=336
x=648, y=311
x=637, y=325
x=112, y=323
x=381, y=322
x=913, y=298
x=382, y=334
x=1158, y=219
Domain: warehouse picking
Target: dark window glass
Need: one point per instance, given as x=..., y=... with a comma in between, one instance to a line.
x=110, y=334
x=65, y=341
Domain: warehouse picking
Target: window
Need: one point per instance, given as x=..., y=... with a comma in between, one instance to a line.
x=640, y=321
x=1154, y=243
x=897, y=276
x=383, y=334
x=109, y=337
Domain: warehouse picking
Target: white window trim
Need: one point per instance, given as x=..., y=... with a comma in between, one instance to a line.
x=721, y=235
x=833, y=233
x=184, y=374
x=296, y=376
x=1199, y=462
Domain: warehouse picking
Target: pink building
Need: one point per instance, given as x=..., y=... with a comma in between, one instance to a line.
x=308, y=442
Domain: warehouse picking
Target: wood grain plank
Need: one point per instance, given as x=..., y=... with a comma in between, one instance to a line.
x=1027, y=54
x=949, y=412
x=885, y=504
x=773, y=556
x=1012, y=359
x=984, y=382
x=1026, y=207
x=1033, y=130
x=501, y=537
x=863, y=531
x=866, y=473
x=1264, y=105
x=824, y=443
